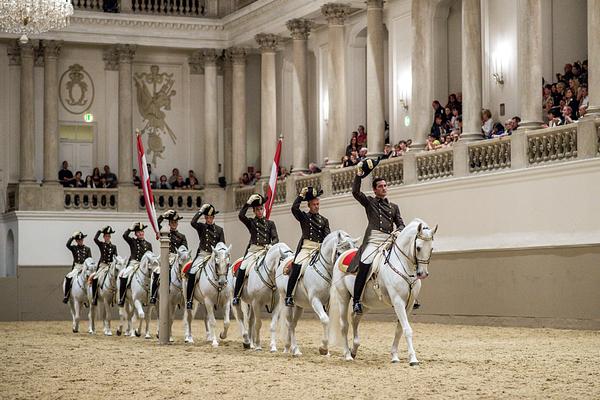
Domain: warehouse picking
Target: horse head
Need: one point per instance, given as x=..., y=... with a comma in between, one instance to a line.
x=335, y=244
x=89, y=266
x=284, y=251
x=221, y=254
x=118, y=265
x=183, y=256
x=415, y=242
x=150, y=262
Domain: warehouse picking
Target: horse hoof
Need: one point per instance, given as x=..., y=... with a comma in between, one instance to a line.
x=414, y=364
x=353, y=354
x=136, y=333
x=323, y=351
x=171, y=340
x=109, y=333
x=258, y=349
x=222, y=336
x=273, y=350
x=349, y=358
x=75, y=330
x=395, y=360
x=148, y=336
x=119, y=332
x=215, y=344
x=297, y=353
x=246, y=345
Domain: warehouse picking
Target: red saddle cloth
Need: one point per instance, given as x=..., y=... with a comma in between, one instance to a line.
x=236, y=266
x=347, y=258
x=186, y=267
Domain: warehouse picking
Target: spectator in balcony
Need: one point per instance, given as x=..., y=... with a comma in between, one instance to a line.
x=353, y=146
x=163, y=183
x=152, y=176
x=553, y=118
x=191, y=181
x=103, y=183
x=571, y=101
x=179, y=183
x=516, y=121
x=89, y=182
x=173, y=177
x=454, y=119
x=437, y=129
x=136, y=179
x=582, y=96
x=403, y=147
x=282, y=172
x=447, y=118
x=487, y=124
x=432, y=143
x=109, y=177
x=447, y=141
x=567, y=116
x=388, y=152
x=582, y=111
x=498, y=130
x=453, y=102
x=361, y=138
x=362, y=153
x=437, y=108
x=255, y=178
x=313, y=168
x=568, y=74
x=244, y=179
x=65, y=176
x=96, y=176
x=78, y=180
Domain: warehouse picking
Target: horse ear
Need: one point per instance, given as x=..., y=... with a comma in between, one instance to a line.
x=213, y=248
x=229, y=248
x=340, y=237
x=434, y=230
x=420, y=228
x=357, y=239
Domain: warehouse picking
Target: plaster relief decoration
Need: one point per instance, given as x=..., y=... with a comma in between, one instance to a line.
x=76, y=90
x=154, y=93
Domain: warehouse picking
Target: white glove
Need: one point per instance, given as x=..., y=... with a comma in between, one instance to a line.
x=253, y=198
x=303, y=192
x=132, y=227
x=203, y=208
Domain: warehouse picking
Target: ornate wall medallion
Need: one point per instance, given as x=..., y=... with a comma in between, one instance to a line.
x=76, y=90
x=154, y=92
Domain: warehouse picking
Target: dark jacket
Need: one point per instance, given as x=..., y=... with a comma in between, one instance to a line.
x=176, y=238
x=262, y=231
x=107, y=250
x=208, y=235
x=314, y=226
x=80, y=253
x=137, y=246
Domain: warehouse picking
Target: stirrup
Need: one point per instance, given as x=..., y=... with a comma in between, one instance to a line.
x=357, y=308
x=235, y=301
x=121, y=303
x=152, y=300
x=189, y=305
x=66, y=299
x=289, y=301
x=416, y=305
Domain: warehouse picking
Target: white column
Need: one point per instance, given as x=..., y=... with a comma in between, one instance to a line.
x=238, y=113
x=337, y=135
x=375, y=78
x=126, y=53
x=268, y=101
x=211, y=126
x=51, y=53
x=421, y=66
x=300, y=30
x=227, y=117
x=471, y=69
x=530, y=62
x=594, y=57
x=26, y=142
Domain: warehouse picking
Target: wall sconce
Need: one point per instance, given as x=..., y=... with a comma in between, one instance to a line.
x=404, y=86
x=498, y=63
x=498, y=78
x=403, y=104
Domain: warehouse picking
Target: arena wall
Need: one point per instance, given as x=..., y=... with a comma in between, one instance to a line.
x=521, y=247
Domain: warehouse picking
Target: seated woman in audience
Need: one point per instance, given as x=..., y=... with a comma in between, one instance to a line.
x=245, y=179
x=447, y=117
x=553, y=118
x=173, y=177
x=163, y=183
x=89, y=182
x=282, y=172
x=179, y=183
x=437, y=129
x=567, y=116
x=403, y=147
x=582, y=111
x=96, y=176
x=388, y=152
x=353, y=146
x=352, y=160
x=571, y=101
x=498, y=130
x=453, y=102
x=487, y=123
x=432, y=143
x=78, y=181
x=191, y=181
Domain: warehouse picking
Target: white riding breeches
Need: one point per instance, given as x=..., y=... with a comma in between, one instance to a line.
x=132, y=267
x=201, y=260
x=308, y=249
x=77, y=269
x=375, y=244
x=101, y=271
x=253, y=254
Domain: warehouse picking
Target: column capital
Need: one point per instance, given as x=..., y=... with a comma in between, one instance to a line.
x=111, y=58
x=300, y=28
x=267, y=42
x=196, y=64
x=52, y=48
x=26, y=49
x=375, y=4
x=335, y=13
x=209, y=56
x=237, y=55
x=126, y=52
x=14, y=53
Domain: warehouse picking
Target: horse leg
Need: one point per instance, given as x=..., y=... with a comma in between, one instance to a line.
x=343, y=306
x=107, y=330
x=172, y=305
x=74, y=325
x=403, y=319
x=273, y=327
x=206, y=326
x=324, y=318
x=298, y=311
x=91, y=319
x=77, y=306
x=256, y=325
x=241, y=319
x=226, y=320
x=138, y=317
x=397, y=336
x=289, y=315
x=211, y=323
x=356, y=339
x=147, y=317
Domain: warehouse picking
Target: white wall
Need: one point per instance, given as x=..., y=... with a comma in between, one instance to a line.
x=455, y=47
x=253, y=110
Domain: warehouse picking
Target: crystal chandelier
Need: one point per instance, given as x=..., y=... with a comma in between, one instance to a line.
x=31, y=17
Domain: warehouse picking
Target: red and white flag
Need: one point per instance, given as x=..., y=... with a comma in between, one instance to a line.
x=273, y=180
x=145, y=180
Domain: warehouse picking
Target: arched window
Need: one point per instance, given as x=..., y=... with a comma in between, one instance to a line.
x=10, y=257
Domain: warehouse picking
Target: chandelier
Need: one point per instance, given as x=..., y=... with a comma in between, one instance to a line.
x=31, y=17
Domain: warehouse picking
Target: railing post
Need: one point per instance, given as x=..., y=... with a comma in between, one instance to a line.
x=326, y=183
x=129, y=198
x=518, y=150
x=587, y=137
x=460, y=159
x=125, y=6
x=409, y=166
x=290, y=188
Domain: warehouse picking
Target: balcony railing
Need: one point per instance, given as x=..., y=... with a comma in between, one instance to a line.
x=552, y=144
x=489, y=155
x=391, y=170
x=90, y=199
x=435, y=164
x=313, y=180
x=180, y=200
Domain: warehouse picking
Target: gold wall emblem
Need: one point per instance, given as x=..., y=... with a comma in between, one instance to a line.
x=76, y=92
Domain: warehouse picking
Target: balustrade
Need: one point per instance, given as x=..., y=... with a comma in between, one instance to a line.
x=552, y=144
x=94, y=199
x=392, y=170
x=189, y=8
x=489, y=155
x=341, y=180
x=313, y=180
x=180, y=200
x=435, y=164
x=88, y=5
x=242, y=194
x=280, y=192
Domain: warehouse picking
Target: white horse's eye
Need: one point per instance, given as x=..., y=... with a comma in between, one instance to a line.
x=418, y=248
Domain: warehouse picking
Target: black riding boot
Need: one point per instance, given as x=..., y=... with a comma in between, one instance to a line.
x=289, y=298
x=95, y=291
x=189, y=291
x=154, y=288
x=122, y=291
x=359, y=285
x=67, y=290
x=239, y=282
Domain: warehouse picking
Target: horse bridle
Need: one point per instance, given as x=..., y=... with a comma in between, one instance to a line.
x=215, y=275
x=416, y=260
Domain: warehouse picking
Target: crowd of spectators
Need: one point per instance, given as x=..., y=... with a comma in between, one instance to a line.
x=566, y=100
x=175, y=181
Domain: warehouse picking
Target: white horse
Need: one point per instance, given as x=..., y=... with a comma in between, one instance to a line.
x=397, y=284
x=137, y=297
x=78, y=295
x=212, y=291
x=107, y=287
x=260, y=290
x=313, y=287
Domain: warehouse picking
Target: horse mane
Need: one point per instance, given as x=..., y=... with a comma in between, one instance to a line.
x=221, y=246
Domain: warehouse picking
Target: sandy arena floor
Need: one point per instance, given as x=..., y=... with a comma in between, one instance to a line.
x=44, y=360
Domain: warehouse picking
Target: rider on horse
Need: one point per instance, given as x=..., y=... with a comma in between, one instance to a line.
x=263, y=233
x=382, y=216
x=314, y=229
x=209, y=234
x=80, y=253
x=176, y=239
x=138, y=247
x=107, y=253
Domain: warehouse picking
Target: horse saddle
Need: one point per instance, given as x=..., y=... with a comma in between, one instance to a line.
x=309, y=260
x=348, y=261
x=236, y=265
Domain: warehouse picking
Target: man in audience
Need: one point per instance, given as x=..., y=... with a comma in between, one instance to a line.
x=179, y=183
x=136, y=179
x=65, y=176
x=362, y=153
x=111, y=179
x=173, y=177
x=567, y=116
x=152, y=176
x=388, y=151
x=163, y=183
x=191, y=181
x=313, y=168
x=582, y=111
x=437, y=129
